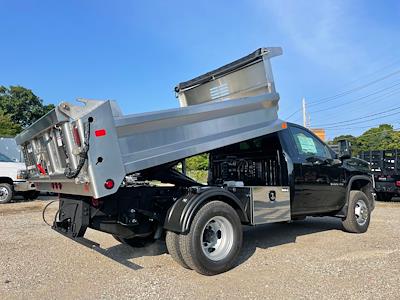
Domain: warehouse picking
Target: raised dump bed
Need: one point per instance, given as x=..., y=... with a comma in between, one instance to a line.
x=88, y=149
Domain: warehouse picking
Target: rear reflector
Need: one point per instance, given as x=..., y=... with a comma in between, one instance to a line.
x=100, y=132
x=109, y=184
x=398, y=183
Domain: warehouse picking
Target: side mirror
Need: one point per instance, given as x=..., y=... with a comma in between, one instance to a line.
x=344, y=149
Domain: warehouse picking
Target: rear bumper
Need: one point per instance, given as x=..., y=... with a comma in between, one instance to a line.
x=24, y=186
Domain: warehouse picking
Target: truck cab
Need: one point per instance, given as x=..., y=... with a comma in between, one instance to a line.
x=319, y=181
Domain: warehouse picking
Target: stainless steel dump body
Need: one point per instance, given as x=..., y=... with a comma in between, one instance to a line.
x=245, y=77
x=102, y=144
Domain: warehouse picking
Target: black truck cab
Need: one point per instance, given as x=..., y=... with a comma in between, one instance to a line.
x=321, y=181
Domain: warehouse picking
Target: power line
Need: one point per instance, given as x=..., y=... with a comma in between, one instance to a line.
x=339, y=95
x=379, y=98
x=344, y=93
x=367, y=126
x=363, y=97
x=376, y=100
x=358, y=122
x=361, y=117
x=377, y=133
x=388, y=66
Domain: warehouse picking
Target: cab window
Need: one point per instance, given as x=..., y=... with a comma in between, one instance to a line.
x=307, y=145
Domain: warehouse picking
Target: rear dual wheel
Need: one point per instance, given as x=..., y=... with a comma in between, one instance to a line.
x=213, y=242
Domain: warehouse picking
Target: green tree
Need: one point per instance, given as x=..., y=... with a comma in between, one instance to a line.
x=198, y=162
x=383, y=137
x=7, y=127
x=22, y=105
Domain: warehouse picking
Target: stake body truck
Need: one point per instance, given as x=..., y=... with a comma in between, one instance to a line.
x=385, y=166
x=261, y=169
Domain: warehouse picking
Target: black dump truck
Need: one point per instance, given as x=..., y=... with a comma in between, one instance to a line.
x=385, y=166
x=261, y=169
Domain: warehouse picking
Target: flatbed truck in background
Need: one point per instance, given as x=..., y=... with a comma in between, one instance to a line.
x=385, y=166
x=261, y=169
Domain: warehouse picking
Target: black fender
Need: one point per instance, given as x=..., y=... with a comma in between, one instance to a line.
x=181, y=213
x=343, y=212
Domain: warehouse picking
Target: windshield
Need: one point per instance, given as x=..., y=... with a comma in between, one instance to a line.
x=4, y=158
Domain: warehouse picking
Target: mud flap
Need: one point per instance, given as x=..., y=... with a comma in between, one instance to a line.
x=74, y=216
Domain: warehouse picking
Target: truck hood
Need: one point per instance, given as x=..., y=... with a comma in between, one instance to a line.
x=12, y=165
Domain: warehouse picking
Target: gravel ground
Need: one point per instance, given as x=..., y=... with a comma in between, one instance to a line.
x=306, y=259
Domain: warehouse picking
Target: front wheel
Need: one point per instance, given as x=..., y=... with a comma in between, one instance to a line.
x=6, y=193
x=358, y=213
x=214, y=240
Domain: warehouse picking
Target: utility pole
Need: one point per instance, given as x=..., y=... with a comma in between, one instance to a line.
x=304, y=113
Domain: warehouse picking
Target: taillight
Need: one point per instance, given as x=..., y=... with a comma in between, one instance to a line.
x=398, y=183
x=109, y=184
x=100, y=132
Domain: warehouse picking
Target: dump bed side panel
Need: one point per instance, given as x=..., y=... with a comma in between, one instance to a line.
x=181, y=133
x=78, y=149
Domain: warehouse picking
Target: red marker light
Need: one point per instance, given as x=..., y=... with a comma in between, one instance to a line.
x=100, y=132
x=398, y=183
x=109, y=184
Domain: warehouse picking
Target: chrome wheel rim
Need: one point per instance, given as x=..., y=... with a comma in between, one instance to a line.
x=361, y=212
x=3, y=193
x=217, y=238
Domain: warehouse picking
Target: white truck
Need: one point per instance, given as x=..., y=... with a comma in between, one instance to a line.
x=13, y=176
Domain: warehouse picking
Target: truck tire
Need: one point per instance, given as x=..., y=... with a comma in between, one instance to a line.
x=172, y=241
x=6, y=193
x=358, y=213
x=138, y=242
x=214, y=240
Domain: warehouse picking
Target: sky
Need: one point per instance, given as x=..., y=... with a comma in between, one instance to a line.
x=342, y=56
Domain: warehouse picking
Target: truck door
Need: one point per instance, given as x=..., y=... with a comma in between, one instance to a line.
x=319, y=183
